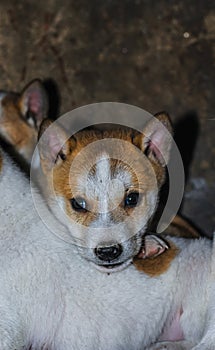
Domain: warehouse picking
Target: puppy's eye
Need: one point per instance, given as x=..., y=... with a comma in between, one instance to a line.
x=131, y=200
x=79, y=204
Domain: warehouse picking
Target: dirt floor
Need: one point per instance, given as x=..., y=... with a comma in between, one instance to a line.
x=158, y=55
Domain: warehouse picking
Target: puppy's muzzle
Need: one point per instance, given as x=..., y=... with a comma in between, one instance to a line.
x=108, y=253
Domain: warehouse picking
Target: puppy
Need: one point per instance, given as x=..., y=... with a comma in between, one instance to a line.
x=55, y=298
x=59, y=293
x=21, y=115
x=98, y=191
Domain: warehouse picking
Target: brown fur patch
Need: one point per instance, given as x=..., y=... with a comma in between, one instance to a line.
x=179, y=227
x=14, y=128
x=160, y=264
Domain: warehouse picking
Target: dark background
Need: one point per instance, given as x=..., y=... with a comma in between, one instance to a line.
x=154, y=54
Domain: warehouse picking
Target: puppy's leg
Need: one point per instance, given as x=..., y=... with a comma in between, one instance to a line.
x=177, y=345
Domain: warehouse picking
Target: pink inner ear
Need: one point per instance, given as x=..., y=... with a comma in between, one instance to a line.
x=34, y=102
x=153, y=246
x=151, y=251
x=156, y=144
x=55, y=146
x=154, y=149
x=155, y=251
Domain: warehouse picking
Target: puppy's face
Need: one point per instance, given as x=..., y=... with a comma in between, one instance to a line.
x=104, y=186
x=20, y=117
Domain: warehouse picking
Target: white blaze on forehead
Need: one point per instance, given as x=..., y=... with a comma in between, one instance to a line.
x=103, y=172
x=103, y=179
x=104, y=187
x=108, y=185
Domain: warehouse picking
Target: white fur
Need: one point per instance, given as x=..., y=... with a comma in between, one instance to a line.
x=103, y=177
x=50, y=295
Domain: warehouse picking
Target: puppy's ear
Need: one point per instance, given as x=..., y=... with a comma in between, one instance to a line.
x=33, y=103
x=153, y=246
x=54, y=145
x=156, y=139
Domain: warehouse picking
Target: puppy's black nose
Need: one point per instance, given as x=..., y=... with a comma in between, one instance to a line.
x=108, y=253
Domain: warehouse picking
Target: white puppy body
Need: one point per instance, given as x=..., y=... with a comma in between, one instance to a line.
x=52, y=297
x=53, y=294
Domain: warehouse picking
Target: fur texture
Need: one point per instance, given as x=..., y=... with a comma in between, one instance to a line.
x=21, y=115
x=51, y=297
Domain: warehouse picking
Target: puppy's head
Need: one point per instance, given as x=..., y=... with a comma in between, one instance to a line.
x=20, y=117
x=104, y=184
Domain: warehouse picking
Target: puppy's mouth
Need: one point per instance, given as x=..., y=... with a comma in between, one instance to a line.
x=110, y=268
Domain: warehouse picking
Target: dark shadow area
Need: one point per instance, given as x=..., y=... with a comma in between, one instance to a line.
x=16, y=157
x=54, y=99
x=186, y=132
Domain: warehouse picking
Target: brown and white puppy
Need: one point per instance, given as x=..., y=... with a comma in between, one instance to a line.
x=106, y=204
x=52, y=298
x=103, y=185
x=21, y=115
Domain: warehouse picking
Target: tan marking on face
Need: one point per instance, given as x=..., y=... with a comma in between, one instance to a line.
x=14, y=129
x=179, y=227
x=158, y=265
x=142, y=183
